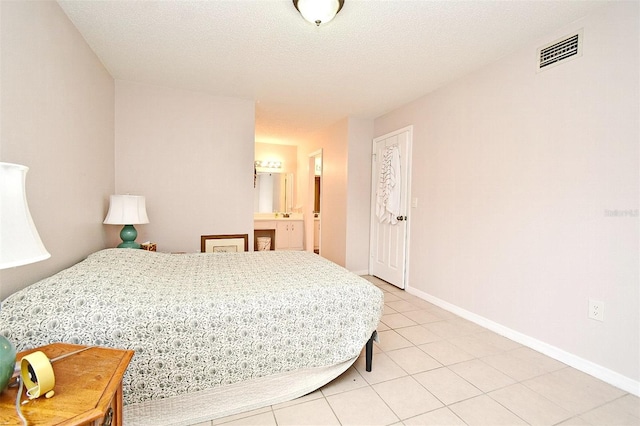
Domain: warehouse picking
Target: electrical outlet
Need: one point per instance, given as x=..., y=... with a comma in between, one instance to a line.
x=596, y=310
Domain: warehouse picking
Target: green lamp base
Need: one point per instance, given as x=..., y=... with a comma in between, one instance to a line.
x=128, y=236
x=7, y=362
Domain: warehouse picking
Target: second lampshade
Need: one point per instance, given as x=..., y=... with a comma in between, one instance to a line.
x=127, y=210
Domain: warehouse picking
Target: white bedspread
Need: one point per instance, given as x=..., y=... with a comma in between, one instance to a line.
x=199, y=322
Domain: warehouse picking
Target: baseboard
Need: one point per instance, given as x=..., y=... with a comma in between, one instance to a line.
x=361, y=273
x=591, y=368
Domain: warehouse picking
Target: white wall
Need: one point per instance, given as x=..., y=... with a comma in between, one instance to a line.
x=57, y=118
x=191, y=155
x=359, y=195
x=346, y=190
x=515, y=172
x=333, y=227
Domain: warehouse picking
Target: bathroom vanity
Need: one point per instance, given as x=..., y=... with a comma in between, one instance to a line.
x=286, y=233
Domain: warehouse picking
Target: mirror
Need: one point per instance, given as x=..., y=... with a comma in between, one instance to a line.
x=273, y=192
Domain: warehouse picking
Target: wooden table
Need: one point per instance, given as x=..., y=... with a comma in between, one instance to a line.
x=88, y=389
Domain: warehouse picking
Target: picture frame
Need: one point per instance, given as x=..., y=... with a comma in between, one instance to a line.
x=224, y=243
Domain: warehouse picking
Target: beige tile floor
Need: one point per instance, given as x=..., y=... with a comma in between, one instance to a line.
x=432, y=367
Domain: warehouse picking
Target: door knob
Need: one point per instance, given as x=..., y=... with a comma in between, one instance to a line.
x=401, y=218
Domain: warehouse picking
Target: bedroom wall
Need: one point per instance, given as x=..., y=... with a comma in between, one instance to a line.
x=191, y=155
x=57, y=118
x=346, y=175
x=359, y=195
x=528, y=195
x=334, y=143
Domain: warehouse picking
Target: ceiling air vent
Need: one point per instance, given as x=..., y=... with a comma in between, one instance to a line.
x=560, y=51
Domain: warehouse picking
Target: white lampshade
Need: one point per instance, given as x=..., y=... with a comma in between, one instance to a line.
x=126, y=210
x=20, y=243
x=318, y=11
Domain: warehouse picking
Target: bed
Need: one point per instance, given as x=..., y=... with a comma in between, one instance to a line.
x=213, y=334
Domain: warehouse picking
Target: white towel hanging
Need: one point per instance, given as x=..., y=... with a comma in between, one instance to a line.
x=389, y=186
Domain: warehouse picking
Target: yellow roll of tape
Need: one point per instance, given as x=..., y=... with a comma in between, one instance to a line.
x=37, y=374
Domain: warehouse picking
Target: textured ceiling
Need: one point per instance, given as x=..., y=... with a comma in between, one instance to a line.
x=376, y=55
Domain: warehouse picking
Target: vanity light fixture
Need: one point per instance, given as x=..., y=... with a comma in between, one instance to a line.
x=268, y=164
x=318, y=11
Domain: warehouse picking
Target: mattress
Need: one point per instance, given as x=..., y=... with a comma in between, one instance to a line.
x=204, y=324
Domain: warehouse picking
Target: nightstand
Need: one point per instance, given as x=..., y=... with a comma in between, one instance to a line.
x=88, y=389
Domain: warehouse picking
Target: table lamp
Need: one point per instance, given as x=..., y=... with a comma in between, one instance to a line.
x=127, y=210
x=20, y=243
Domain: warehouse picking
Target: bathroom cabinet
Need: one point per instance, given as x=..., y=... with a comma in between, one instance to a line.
x=289, y=233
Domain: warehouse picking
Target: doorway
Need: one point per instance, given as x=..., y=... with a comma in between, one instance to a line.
x=314, y=206
x=390, y=192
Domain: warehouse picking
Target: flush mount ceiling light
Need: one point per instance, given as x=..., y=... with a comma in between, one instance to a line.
x=318, y=11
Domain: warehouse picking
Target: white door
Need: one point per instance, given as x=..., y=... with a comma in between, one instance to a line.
x=390, y=191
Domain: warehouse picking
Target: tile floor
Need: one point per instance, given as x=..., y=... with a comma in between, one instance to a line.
x=434, y=368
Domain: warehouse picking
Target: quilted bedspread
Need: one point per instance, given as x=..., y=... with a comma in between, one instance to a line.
x=197, y=321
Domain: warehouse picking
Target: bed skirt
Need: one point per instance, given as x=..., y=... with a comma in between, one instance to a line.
x=202, y=406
